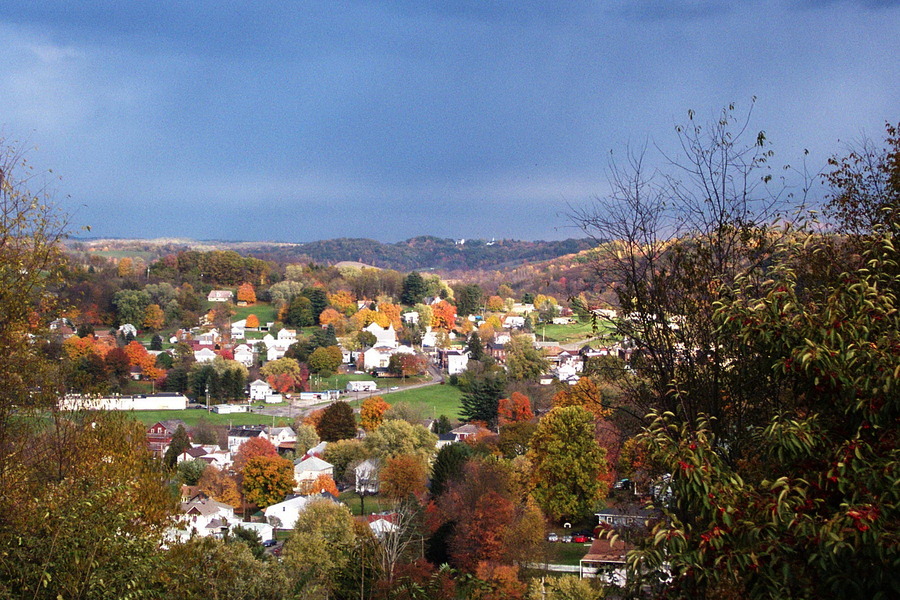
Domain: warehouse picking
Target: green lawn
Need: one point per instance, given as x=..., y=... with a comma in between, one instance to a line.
x=264, y=311
x=567, y=334
x=374, y=504
x=438, y=399
x=192, y=417
x=566, y=554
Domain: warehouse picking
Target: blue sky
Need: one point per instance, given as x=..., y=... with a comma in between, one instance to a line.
x=297, y=121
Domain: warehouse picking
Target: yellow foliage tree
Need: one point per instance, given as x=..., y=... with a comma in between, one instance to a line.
x=371, y=414
x=154, y=318
x=125, y=268
x=587, y=394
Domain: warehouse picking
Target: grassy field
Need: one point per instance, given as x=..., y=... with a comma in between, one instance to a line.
x=374, y=504
x=192, y=417
x=566, y=554
x=567, y=334
x=264, y=312
x=437, y=399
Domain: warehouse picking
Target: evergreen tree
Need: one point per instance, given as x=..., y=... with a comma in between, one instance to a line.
x=414, y=289
x=474, y=347
x=156, y=343
x=180, y=442
x=482, y=398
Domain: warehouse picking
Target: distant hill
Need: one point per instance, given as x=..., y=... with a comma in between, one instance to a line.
x=428, y=252
x=418, y=253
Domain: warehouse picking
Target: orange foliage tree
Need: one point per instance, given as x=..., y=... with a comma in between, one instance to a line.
x=371, y=414
x=586, y=394
x=322, y=483
x=443, y=316
x=282, y=382
x=403, y=476
x=267, y=480
x=344, y=301
x=252, y=448
x=252, y=321
x=220, y=486
x=514, y=409
x=495, y=303
x=246, y=293
x=392, y=312
x=332, y=317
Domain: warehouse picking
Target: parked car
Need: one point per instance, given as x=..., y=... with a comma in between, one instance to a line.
x=552, y=537
x=580, y=538
x=567, y=539
x=269, y=543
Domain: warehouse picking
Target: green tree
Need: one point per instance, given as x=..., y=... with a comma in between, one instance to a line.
x=337, y=422
x=414, y=289
x=448, y=466
x=474, y=347
x=320, y=550
x=483, y=391
x=190, y=471
x=344, y=455
x=325, y=360
x=131, y=306
x=812, y=508
x=396, y=438
x=567, y=463
x=523, y=360
x=469, y=299
x=306, y=438
x=300, y=312
x=180, y=442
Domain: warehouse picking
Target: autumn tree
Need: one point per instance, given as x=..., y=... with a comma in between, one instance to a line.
x=371, y=413
x=322, y=483
x=246, y=293
x=443, y=316
x=514, y=409
x=154, y=318
x=220, y=486
x=567, y=463
x=267, y=479
x=586, y=394
x=253, y=448
x=343, y=455
x=306, y=438
x=252, y=321
x=402, y=476
x=337, y=422
x=325, y=360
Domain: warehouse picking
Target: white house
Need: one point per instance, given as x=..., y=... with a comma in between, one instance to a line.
x=204, y=355
x=284, y=514
x=310, y=468
x=259, y=390
x=383, y=337
x=204, y=516
x=366, y=476
x=377, y=357
x=127, y=328
x=220, y=296
x=410, y=317
x=208, y=338
x=244, y=355
x=280, y=435
x=457, y=361
x=429, y=338
x=286, y=335
x=361, y=386
x=514, y=322
x=238, y=328
x=238, y=435
x=382, y=525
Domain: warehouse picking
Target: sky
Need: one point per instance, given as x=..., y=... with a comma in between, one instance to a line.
x=297, y=121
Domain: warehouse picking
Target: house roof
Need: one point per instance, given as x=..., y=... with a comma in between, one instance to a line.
x=204, y=506
x=246, y=431
x=602, y=551
x=171, y=425
x=313, y=463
